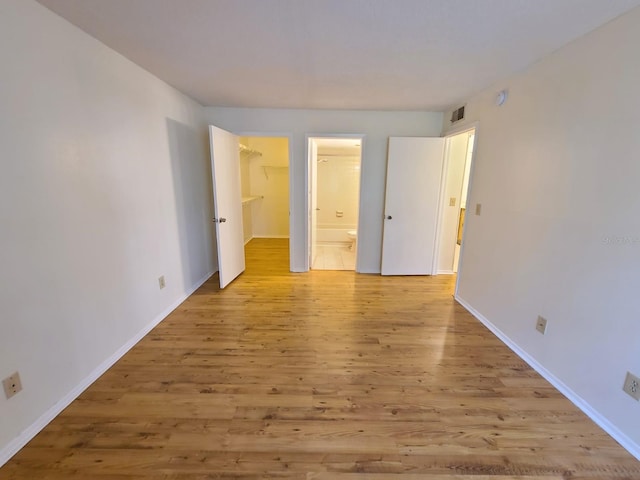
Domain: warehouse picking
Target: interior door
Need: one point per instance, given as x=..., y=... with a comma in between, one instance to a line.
x=313, y=200
x=414, y=173
x=227, y=200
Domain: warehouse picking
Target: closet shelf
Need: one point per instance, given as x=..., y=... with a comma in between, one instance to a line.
x=250, y=199
x=265, y=169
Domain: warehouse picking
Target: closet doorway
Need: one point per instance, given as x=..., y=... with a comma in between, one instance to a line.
x=264, y=174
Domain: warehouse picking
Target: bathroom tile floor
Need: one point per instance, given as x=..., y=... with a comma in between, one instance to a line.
x=334, y=257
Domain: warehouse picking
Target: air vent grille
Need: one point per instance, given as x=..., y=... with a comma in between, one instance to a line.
x=457, y=115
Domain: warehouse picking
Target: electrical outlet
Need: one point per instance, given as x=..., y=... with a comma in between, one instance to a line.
x=632, y=385
x=478, y=208
x=12, y=385
x=161, y=282
x=541, y=324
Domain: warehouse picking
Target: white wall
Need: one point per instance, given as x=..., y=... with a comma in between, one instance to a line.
x=557, y=174
x=104, y=186
x=377, y=126
x=338, y=191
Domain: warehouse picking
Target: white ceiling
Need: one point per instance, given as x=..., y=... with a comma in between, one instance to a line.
x=337, y=54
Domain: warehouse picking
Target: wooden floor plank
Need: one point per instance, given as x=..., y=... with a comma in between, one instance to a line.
x=320, y=376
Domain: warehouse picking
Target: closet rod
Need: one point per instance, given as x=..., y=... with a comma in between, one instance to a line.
x=249, y=151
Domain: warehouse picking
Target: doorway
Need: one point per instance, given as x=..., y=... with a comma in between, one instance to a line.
x=237, y=192
x=334, y=194
x=459, y=150
x=264, y=176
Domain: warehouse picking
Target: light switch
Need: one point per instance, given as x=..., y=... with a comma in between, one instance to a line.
x=452, y=202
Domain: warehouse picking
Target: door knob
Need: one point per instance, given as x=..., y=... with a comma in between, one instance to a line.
x=219, y=220
x=388, y=217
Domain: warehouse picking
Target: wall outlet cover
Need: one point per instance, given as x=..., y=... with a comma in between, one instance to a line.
x=632, y=385
x=541, y=324
x=478, y=208
x=12, y=385
x=161, y=282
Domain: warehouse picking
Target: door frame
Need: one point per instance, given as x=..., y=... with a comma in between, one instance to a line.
x=307, y=179
x=447, y=136
x=289, y=137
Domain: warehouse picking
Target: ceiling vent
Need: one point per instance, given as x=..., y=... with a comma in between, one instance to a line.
x=457, y=115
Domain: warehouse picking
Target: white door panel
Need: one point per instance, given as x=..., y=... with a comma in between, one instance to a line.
x=227, y=200
x=414, y=172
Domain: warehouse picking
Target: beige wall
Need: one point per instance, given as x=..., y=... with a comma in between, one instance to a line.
x=557, y=175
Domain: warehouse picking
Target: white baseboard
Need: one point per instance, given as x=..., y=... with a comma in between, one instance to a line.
x=628, y=444
x=32, y=430
x=446, y=272
x=369, y=271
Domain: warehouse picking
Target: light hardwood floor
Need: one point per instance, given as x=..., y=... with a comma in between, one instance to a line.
x=320, y=376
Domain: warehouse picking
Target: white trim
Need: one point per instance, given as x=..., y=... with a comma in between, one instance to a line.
x=307, y=199
x=363, y=147
x=270, y=236
x=32, y=430
x=446, y=272
x=248, y=240
x=452, y=132
x=475, y=126
x=626, y=442
x=441, y=203
x=370, y=271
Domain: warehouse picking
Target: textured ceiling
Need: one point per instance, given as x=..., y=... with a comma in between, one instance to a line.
x=338, y=54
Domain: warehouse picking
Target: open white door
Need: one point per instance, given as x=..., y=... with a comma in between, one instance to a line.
x=414, y=173
x=313, y=199
x=227, y=201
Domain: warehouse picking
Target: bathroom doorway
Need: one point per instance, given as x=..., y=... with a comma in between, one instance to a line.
x=459, y=150
x=334, y=198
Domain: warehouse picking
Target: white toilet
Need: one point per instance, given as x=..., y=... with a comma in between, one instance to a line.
x=353, y=236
